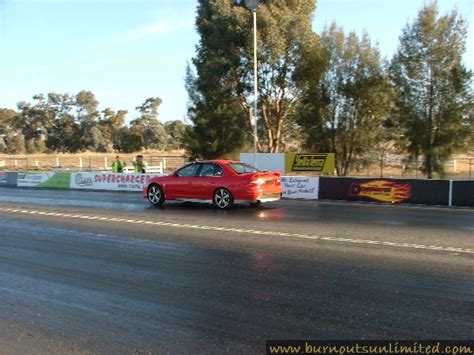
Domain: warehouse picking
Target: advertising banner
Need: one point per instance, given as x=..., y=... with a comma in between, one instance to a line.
x=3, y=178
x=320, y=162
x=109, y=181
x=428, y=192
x=8, y=179
x=50, y=180
x=303, y=187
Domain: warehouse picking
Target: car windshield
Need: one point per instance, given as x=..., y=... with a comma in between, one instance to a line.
x=243, y=168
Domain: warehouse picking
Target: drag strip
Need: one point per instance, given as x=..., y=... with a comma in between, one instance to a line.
x=243, y=231
x=103, y=273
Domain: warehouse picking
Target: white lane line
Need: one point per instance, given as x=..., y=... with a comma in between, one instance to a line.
x=248, y=231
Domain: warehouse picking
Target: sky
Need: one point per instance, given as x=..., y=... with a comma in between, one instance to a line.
x=126, y=51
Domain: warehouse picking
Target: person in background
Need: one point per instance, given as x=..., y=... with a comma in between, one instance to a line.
x=139, y=165
x=118, y=165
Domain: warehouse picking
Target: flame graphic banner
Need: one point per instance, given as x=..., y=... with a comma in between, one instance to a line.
x=382, y=191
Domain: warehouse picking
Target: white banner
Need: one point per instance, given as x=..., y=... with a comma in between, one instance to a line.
x=32, y=179
x=109, y=181
x=305, y=187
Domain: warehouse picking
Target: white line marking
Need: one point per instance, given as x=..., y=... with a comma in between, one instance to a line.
x=248, y=231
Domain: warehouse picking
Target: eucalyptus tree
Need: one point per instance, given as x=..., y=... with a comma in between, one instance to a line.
x=434, y=99
x=221, y=86
x=86, y=117
x=175, y=131
x=10, y=141
x=346, y=97
x=214, y=85
x=110, y=124
x=148, y=127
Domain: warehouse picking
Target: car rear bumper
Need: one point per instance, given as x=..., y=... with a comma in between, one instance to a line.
x=261, y=198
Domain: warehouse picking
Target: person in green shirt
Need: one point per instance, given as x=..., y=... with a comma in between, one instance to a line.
x=118, y=165
x=139, y=165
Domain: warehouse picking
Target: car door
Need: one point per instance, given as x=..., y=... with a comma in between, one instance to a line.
x=209, y=177
x=181, y=186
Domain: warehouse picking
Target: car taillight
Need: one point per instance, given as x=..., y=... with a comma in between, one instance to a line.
x=257, y=182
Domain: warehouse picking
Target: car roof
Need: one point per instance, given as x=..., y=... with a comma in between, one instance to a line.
x=222, y=161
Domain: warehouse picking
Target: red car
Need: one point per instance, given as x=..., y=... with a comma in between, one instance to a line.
x=222, y=182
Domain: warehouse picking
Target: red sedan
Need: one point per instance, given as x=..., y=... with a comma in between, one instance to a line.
x=222, y=182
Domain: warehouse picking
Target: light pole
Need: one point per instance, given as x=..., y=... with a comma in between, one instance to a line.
x=253, y=6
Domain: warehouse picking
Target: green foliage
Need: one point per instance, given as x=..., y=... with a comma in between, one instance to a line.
x=345, y=97
x=129, y=141
x=66, y=123
x=434, y=95
x=175, y=131
x=219, y=123
x=148, y=127
x=221, y=88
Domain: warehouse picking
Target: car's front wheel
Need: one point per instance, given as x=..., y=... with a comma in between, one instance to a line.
x=223, y=198
x=156, y=195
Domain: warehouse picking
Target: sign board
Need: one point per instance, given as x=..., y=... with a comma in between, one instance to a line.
x=109, y=181
x=381, y=190
x=304, y=187
x=317, y=162
x=51, y=180
x=265, y=161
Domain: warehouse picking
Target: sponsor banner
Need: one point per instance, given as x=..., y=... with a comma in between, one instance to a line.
x=463, y=193
x=50, y=180
x=428, y=192
x=381, y=190
x=3, y=178
x=320, y=162
x=304, y=187
x=109, y=181
x=8, y=179
x=32, y=179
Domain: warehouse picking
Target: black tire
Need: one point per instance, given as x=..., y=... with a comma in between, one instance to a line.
x=223, y=198
x=155, y=195
x=257, y=204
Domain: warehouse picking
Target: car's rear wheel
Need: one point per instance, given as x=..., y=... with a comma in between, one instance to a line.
x=223, y=198
x=156, y=195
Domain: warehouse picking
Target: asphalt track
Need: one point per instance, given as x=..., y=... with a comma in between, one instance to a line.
x=105, y=273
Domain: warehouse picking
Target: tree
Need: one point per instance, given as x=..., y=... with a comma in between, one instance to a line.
x=129, y=141
x=147, y=126
x=110, y=124
x=86, y=116
x=434, y=95
x=219, y=125
x=221, y=87
x=175, y=131
x=285, y=33
x=345, y=97
x=15, y=142
x=6, y=119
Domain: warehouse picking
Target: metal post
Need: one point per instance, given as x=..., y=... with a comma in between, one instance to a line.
x=450, y=197
x=255, y=88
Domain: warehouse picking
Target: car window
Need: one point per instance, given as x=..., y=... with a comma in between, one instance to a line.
x=188, y=170
x=243, y=168
x=211, y=170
